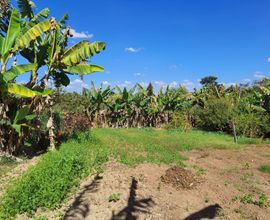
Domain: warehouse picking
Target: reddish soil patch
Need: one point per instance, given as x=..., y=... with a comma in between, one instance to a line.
x=180, y=178
x=228, y=175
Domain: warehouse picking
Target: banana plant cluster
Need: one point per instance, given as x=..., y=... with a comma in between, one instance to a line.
x=133, y=107
x=43, y=42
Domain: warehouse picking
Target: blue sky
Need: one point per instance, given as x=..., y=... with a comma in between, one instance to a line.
x=172, y=41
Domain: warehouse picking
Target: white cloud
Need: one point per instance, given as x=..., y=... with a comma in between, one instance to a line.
x=268, y=59
x=126, y=84
x=174, y=84
x=160, y=83
x=188, y=84
x=133, y=50
x=137, y=74
x=245, y=81
x=83, y=34
x=227, y=85
x=259, y=75
x=175, y=66
x=76, y=86
x=106, y=83
x=144, y=84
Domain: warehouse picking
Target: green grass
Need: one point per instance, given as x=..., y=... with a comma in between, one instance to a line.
x=265, y=168
x=48, y=183
x=6, y=164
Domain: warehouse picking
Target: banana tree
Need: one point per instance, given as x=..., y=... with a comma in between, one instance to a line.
x=11, y=43
x=97, y=101
x=50, y=51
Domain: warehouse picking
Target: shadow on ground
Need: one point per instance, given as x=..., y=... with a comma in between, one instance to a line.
x=80, y=207
x=209, y=212
x=134, y=206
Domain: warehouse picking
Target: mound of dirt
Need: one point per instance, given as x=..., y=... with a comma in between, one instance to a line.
x=180, y=178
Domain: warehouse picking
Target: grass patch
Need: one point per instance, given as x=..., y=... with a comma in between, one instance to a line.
x=48, y=183
x=265, y=168
x=6, y=164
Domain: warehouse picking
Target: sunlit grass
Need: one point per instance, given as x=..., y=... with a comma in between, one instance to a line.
x=49, y=182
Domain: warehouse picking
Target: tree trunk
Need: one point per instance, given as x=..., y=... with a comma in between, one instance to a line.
x=234, y=132
x=50, y=124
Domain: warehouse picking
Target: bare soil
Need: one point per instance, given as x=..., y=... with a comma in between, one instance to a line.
x=219, y=178
x=180, y=178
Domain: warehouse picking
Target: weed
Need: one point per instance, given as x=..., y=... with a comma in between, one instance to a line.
x=247, y=177
x=199, y=170
x=114, y=197
x=261, y=201
x=226, y=183
x=247, y=199
x=246, y=166
x=265, y=168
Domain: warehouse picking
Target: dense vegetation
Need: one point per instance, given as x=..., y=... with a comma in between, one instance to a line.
x=48, y=183
x=43, y=42
x=240, y=109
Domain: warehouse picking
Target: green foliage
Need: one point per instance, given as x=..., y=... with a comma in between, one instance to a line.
x=265, y=168
x=215, y=116
x=261, y=201
x=47, y=184
x=179, y=120
x=114, y=197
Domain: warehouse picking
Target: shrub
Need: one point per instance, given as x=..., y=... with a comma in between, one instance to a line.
x=214, y=116
x=179, y=120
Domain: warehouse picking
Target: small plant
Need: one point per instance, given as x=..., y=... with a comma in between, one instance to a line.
x=6, y=160
x=263, y=201
x=265, y=169
x=246, y=166
x=226, y=183
x=199, y=170
x=247, y=199
x=114, y=197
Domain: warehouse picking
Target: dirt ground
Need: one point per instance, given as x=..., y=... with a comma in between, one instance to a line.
x=225, y=177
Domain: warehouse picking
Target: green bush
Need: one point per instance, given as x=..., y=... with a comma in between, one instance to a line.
x=179, y=120
x=47, y=184
x=214, y=116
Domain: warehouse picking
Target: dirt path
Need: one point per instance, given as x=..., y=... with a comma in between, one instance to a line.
x=227, y=177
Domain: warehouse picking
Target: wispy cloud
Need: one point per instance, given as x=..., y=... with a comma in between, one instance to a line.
x=137, y=74
x=160, y=83
x=133, y=50
x=76, y=86
x=187, y=83
x=245, y=81
x=268, y=59
x=227, y=85
x=259, y=75
x=83, y=34
x=175, y=66
x=174, y=84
